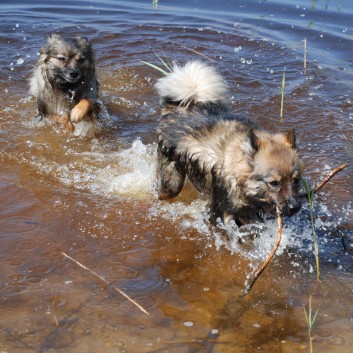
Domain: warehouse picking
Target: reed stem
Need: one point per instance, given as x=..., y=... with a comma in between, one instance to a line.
x=310, y=321
x=311, y=199
x=305, y=56
x=282, y=95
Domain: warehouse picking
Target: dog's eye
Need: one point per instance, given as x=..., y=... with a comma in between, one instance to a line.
x=61, y=58
x=81, y=60
x=273, y=184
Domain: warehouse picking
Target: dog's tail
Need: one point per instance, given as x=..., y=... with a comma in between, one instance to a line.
x=195, y=82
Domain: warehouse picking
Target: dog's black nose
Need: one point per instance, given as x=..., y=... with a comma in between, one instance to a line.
x=294, y=208
x=291, y=207
x=74, y=74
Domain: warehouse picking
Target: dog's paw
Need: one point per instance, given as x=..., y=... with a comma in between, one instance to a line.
x=70, y=127
x=81, y=110
x=38, y=117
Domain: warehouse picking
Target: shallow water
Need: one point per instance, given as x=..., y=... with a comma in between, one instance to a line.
x=94, y=199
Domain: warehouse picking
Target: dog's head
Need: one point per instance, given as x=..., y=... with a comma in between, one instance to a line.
x=68, y=62
x=276, y=172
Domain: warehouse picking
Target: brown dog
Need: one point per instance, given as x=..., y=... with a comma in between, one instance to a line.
x=64, y=81
x=245, y=171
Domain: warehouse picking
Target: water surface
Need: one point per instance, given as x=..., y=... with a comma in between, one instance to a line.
x=94, y=199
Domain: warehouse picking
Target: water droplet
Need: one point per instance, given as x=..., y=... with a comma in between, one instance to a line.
x=188, y=323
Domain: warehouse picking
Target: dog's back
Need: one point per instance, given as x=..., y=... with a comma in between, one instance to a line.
x=196, y=123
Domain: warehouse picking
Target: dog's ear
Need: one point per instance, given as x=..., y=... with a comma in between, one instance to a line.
x=51, y=40
x=82, y=43
x=290, y=138
x=251, y=143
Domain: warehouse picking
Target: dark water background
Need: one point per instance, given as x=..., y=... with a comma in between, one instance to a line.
x=93, y=197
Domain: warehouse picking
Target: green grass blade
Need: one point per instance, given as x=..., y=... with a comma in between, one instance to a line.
x=163, y=62
x=282, y=96
x=155, y=67
x=316, y=312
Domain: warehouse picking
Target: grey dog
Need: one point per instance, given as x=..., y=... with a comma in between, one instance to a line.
x=64, y=81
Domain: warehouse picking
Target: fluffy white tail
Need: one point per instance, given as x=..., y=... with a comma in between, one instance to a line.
x=193, y=83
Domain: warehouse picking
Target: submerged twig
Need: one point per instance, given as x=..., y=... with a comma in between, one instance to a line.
x=106, y=282
x=326, y=179
x=270, y=256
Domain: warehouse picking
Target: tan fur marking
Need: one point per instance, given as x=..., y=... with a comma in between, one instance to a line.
x=81, y=110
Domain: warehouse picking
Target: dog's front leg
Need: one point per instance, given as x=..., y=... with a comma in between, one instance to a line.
x=170, y=178
x=82, y=109
x=221, y=206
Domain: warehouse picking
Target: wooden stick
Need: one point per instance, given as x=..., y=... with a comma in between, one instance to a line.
x=106, y=282
x=329, y=176
x=279, y=228
x=326, y=179
x=270, y=256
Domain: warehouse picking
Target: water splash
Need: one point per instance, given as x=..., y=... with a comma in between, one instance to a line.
x=140, y=164
x=131, y=173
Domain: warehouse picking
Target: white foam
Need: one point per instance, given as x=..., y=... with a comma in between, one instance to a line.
x=131, y=172
x=84, y=129
x=138, y=165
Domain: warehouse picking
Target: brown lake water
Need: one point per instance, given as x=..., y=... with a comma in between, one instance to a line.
x=93, y=197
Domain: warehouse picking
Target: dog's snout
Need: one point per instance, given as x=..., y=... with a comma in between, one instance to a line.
x=74, y=73
x=291, y=206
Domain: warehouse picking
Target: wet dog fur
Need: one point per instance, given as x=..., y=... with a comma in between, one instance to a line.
x=64, y=81
x=244, y=170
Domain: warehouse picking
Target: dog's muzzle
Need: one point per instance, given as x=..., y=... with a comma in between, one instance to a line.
x=290, y=207
x=72, y=75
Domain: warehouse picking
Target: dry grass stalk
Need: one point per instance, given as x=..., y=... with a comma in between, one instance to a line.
x=270, y=256
x=56, y=320
x=196, y=52
x=106, y=282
